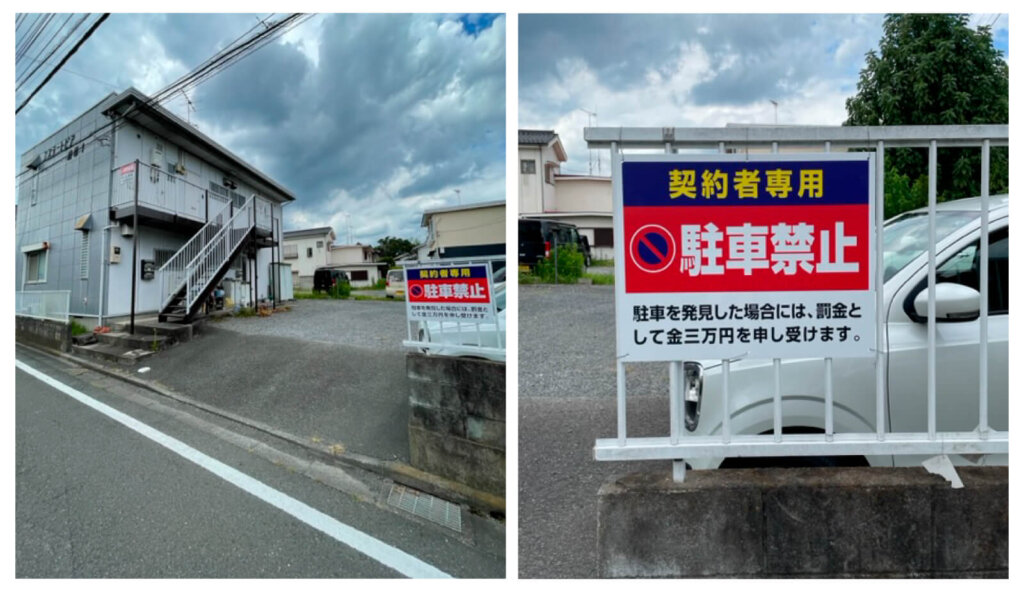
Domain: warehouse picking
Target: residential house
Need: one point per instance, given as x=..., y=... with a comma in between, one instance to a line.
x=359, y=262
x=582, y=200
x=307, y=250
x=474, y=230
x=130, y=210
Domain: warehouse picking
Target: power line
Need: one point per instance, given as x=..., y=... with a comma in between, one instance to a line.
x=52, y=51
x=63, y=61
x=237, y=50
x=38, y=26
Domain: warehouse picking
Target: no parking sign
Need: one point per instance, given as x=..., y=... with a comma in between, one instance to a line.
x=767, y=256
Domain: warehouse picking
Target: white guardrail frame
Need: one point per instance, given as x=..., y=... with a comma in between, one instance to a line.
x=412, y=339
x=677, y=447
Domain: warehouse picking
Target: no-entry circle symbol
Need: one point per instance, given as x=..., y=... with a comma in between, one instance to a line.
x=416, y=291
x=652, y=248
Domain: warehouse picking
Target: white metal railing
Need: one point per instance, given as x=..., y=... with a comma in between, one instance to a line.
x=197, y=263
x=43, y=304
x=174, y=273
x=160, y=190
x=484, y=338
x=679, y=446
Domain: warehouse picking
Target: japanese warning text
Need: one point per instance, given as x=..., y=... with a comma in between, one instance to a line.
x=744, y=253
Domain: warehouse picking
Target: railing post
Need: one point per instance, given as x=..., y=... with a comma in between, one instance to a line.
x=932, y=174
x=135, y=246
x=984, y=287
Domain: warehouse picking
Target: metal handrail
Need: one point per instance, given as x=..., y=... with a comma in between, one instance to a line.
x=173, y=273
x=214, y=254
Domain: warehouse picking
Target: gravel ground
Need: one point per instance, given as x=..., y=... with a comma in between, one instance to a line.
x=567, y=345
x=566, y=401
x=373, y=324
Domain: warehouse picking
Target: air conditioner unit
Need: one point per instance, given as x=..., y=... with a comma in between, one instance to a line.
x=127, y=230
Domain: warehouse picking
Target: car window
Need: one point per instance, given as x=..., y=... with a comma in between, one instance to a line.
x=965, y=268
x=906, y=236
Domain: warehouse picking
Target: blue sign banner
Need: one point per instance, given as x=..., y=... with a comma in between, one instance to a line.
x=745, y=183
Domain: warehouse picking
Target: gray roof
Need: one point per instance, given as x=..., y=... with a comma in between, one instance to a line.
x=136, y=106
x=538, y=137
x=308, y=232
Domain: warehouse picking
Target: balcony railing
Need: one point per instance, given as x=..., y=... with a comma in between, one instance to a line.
x=162, y=191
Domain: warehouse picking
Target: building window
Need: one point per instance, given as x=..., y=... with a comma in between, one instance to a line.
x=309, y=252
x=35, y=267
x=528, y=167
x=603, y=237
x=291, y=251
x=83, y=259
x=359, y=275
x=319, y=244
x=219, y=189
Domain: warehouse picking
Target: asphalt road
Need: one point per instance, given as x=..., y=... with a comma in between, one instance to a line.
x=96, y=499
x=566, y=401
x=330, y=371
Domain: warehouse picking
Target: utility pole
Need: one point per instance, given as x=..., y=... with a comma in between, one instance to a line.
x=776, y=104
x=591, y=159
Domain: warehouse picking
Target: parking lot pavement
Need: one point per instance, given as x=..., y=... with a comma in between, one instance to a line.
x=373, y=324
x=566, y=401
x=327, y=371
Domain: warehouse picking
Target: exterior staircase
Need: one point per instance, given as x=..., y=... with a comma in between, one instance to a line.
x=188, y=278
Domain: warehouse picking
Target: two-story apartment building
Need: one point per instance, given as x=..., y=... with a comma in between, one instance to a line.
x=133, y=211
x=583, y=200
x=307, y=250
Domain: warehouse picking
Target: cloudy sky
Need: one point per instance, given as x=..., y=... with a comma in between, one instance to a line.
x=367, y=119
x=691, y=70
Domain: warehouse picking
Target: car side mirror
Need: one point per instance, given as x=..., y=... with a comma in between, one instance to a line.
x=953, y=303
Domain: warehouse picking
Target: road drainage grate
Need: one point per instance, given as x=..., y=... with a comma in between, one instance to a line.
x=426, y=506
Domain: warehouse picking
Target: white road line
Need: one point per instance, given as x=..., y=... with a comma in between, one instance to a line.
x=379, y=551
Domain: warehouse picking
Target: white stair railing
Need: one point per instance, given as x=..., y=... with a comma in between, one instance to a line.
x=215, y=254
x=173, y=273
x=197, y=263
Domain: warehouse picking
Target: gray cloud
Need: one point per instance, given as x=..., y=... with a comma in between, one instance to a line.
x=687, y=69
x=374, y=116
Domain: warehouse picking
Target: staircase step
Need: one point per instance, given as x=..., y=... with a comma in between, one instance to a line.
x=143, y=339
x=111, y=353
x=180, y=332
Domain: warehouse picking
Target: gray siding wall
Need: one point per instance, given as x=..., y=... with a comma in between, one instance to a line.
x=66, y=187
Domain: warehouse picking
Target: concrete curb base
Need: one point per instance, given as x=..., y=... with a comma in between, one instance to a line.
x=834, y=522
x=398, y=472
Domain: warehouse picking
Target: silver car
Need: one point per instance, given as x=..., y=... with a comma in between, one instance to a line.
x=751, y=382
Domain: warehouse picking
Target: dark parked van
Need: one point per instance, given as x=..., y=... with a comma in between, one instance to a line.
x=537, y=238
x=325, y=278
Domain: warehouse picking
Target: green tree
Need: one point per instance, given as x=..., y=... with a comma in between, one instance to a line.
x=932, y=69
x=390, y=248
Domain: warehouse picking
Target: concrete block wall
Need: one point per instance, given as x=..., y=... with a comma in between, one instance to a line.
x=836, y=522
x=41, y=332
x=457, y=419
